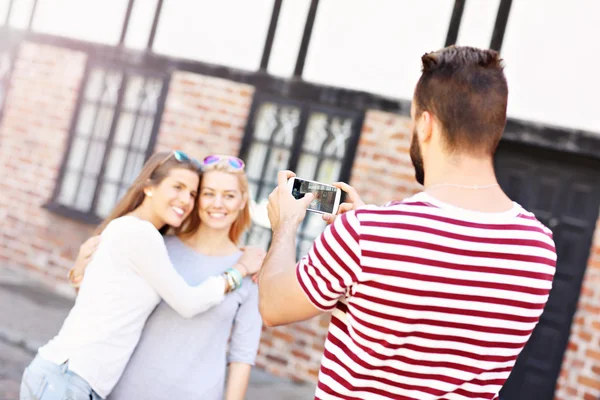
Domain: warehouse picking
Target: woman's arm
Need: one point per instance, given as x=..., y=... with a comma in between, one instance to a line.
x=245, y=338
x=237, y=381
x=140, y=246
x=145, y=250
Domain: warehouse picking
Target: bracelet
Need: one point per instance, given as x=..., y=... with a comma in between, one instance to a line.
x=230, y=283
x=236, y=276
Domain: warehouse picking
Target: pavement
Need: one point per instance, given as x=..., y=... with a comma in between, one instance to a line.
x=31, y=314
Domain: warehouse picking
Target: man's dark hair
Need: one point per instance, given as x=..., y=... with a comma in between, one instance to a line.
x=465, y=89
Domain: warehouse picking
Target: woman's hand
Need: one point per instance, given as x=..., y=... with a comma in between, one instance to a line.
x=86, y=250
x=251, y=261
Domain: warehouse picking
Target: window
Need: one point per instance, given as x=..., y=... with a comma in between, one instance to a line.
x=112, y=135
x=316, y=142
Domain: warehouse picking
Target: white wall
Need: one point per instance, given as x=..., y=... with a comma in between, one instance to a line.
x=551, y=48
x=228, y=32
x=552, y=52
x=290, y=28
x=91, y=20
x=375, y=45
x=477, y=24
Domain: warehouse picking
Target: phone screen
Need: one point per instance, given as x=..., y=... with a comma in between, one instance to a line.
x=324, y=195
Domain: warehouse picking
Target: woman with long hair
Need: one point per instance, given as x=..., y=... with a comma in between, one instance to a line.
x=126, y=278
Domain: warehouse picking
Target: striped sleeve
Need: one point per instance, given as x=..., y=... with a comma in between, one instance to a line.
x=332, y=265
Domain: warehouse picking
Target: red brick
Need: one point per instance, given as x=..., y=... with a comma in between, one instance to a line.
x=591, y=383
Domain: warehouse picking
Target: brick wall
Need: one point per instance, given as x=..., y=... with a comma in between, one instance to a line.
x=33, y=136
x=382, y=168
x=204, y=115
x=580, y=375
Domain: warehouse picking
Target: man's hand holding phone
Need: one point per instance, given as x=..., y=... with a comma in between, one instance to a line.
x=354, y=201
x=283, y=209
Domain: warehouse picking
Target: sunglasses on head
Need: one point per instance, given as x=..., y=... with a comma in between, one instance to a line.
x=233, y=162
x=181, y=157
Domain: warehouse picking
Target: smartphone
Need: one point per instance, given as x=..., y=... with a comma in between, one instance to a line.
x=327, y=197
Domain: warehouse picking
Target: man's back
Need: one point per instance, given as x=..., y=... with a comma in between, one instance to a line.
x=439, y=301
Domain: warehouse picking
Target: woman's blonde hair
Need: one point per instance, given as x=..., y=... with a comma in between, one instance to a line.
x=243, y=221
x=154, y=171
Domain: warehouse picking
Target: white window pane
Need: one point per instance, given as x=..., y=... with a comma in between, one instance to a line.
x=133, y=166
x=143, y=131
x=307, y=165
x=77, y=154
x=266, y=121
x=316, y=132
x=103, y=123
x=106, y=199
x=68, y=188
x=112, y=84
x=94, y=160
x=124, y=129
x=329, y=171
x=85, y=194
x=116, y=162
x=94, y=85
x=133, y=93
x=256, y=160
x=289, y=119
x=340, y=130
x=85, y=122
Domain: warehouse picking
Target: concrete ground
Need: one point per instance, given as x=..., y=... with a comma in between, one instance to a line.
x=30, y=315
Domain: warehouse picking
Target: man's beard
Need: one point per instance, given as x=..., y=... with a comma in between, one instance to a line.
x=416, y=156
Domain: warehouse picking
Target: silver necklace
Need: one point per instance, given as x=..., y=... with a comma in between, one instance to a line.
x=461, y=186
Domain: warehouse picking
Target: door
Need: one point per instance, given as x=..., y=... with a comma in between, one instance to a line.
x=564, y=193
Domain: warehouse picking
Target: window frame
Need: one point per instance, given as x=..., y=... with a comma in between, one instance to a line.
x=128, y=70
x=307, y=108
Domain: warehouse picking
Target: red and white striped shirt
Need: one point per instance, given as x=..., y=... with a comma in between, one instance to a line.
x=429, y=301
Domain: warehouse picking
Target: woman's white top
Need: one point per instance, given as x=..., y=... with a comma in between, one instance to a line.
x=128, y=275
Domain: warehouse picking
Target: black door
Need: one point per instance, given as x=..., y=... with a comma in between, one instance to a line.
x=564, y=193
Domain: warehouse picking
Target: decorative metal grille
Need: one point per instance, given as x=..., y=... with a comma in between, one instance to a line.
x=112, y=136
x=315, y=143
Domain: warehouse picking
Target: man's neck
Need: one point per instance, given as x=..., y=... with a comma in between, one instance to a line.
x=468, y=183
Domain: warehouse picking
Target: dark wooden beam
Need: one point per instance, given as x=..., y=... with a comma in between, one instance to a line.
x=500, y=25
x=126, y=22
x=308, y=27
x=154, y=25
x=455, y=19
x=264, y=62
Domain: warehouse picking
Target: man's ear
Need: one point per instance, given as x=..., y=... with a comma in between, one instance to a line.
x=427, y=121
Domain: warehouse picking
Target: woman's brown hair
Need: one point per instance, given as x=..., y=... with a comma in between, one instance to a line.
x=153, y=172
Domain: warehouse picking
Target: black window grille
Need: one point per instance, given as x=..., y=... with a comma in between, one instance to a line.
x=113, y=133
x=316, y=142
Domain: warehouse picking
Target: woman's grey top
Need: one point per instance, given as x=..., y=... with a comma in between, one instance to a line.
x=186, y=359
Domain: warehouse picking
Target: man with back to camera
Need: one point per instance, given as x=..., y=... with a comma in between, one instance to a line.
x=435, y=296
